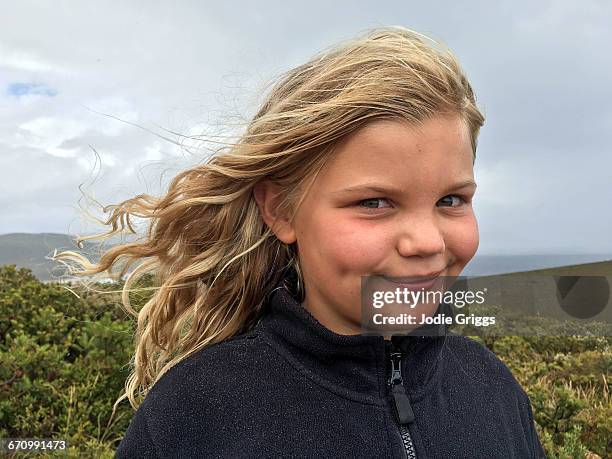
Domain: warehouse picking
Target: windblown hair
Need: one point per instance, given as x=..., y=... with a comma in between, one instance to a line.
x=213, y=258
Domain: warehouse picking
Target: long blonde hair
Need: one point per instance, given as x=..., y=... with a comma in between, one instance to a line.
x=213, y=258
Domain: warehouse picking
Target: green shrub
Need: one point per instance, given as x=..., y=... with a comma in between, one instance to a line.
x=63, y=363
x=568, y=386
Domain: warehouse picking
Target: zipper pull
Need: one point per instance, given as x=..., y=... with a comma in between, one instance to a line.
x=403, y=409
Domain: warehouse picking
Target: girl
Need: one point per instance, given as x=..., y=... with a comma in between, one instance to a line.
x=360, y=162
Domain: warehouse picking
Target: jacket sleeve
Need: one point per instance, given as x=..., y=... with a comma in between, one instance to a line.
x=535, y=440
x=137, y=442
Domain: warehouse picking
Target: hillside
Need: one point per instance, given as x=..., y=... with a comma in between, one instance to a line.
x=26, y=250
x=601, y=268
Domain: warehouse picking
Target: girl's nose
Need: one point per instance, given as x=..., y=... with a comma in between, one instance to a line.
x=421, y=236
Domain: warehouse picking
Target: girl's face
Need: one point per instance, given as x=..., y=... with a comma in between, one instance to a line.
x=394, y=200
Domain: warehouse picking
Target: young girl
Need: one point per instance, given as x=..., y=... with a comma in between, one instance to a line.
x=359, y=163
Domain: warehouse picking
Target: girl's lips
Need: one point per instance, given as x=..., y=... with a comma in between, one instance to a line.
x=415, y=282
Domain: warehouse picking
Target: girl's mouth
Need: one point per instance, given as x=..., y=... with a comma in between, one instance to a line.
x=415, y=282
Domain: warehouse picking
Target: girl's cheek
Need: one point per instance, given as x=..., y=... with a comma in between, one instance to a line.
x=464, y=240
x=355, y=246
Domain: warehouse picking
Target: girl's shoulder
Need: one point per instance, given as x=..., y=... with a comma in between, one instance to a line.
x=209, y=366
x=480, y=364
x=190, y=393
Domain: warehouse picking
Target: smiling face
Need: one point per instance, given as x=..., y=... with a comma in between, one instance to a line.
x=394, y=200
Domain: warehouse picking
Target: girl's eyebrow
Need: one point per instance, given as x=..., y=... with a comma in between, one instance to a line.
x=462, y=184
x=386, y=189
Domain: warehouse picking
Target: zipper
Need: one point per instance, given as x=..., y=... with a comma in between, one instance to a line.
x=401, y=403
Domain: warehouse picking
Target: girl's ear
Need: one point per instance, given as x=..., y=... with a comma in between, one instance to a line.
x=268, y=197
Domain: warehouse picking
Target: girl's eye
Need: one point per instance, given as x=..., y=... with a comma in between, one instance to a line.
x=449, y=200
x=371, y=203
x=452, y=200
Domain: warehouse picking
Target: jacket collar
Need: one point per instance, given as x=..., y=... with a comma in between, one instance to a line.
x=355, y=365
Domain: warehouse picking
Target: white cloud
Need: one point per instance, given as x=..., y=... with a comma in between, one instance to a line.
x=29, y=62
x=48, y=133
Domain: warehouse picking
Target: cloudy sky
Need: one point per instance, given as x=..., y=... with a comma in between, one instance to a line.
x=69, y=70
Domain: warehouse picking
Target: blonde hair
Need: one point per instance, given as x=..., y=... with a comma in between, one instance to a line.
x=213, y=258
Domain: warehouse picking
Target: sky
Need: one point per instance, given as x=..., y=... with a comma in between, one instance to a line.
x=86, y=86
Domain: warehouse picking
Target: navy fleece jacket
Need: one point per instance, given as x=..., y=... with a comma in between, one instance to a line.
x=293, y=388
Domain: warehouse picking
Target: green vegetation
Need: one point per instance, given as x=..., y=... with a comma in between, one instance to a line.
x=64, y=360
x=567, y=379
x=63, y=363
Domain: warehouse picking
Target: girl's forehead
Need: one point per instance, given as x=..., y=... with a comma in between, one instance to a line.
x=387, y=132
x=439, y=149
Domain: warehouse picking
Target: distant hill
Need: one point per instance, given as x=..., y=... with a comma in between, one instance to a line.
x=545, y=266
x=600, y=268
x=485, y=265
x=28, y=250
